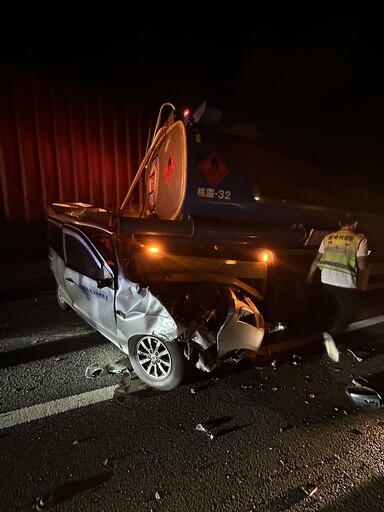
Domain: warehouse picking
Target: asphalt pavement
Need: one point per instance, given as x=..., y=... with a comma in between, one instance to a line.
x=21, y=278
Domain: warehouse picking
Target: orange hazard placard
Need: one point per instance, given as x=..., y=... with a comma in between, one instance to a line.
x=169, y=168
x=214, y=169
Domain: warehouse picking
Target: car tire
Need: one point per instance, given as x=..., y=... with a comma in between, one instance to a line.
x=60, y=300
x=158, y=363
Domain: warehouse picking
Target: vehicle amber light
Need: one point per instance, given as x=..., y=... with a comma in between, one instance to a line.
x=267, y=257
x=154, y=249
x=230, y=262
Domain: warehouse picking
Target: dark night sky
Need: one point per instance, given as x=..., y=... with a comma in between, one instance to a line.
x=312, y=80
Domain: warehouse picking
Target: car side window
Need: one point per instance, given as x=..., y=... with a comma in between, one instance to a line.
x=55, y=237
x=80, y=258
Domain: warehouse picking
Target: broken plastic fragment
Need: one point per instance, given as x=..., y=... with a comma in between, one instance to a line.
x=93, y=371
x=364, y=396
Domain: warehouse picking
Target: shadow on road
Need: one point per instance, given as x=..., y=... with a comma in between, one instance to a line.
x=49, y=349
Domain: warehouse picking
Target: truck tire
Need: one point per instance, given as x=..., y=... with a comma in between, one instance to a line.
x=285, y=298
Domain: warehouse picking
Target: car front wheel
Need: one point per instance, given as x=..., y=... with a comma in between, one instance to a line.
x=158, y=363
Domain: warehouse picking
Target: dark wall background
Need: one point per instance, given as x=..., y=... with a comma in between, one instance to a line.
x=59, y=142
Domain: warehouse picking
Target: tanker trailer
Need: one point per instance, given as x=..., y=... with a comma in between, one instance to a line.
x=242, y=200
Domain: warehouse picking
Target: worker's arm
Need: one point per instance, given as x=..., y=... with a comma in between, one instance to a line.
x=313, y=267
x=362, y=262
x=362, y=255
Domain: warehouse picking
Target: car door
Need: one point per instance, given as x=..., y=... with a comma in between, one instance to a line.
x=89, y=283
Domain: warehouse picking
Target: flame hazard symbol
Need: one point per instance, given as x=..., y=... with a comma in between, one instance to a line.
x=214, y=169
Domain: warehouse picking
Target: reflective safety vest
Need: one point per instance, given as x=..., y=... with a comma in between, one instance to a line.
x=340, y=249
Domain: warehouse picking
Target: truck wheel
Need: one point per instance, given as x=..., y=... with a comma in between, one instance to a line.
x=60, y=300
x=158, y=363
x=285, y=298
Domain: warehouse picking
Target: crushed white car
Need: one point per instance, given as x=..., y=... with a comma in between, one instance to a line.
x=161, y=306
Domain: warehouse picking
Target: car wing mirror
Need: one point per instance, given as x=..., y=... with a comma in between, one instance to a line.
x=102, y=283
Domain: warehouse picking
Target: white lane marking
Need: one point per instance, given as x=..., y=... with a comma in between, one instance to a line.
x=365, y=323
x=36, y=412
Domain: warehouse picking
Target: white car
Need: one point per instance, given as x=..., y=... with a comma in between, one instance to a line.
x=165, y=303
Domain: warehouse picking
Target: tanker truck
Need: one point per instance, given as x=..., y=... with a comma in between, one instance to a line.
x=226, y=194
x=208, y=251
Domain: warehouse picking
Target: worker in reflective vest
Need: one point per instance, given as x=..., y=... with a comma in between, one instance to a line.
x=340, y=256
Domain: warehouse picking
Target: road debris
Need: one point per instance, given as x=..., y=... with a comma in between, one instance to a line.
x=364, y=397
x=217, y=426
x=354, y=355
x=310, y=489
x=94, y=370
x=271, y=328
x=296, y=359
x=201, y=428
x=122, y=389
